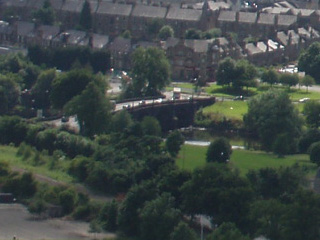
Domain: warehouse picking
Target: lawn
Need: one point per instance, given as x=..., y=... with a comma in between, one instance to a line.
x=229, y=109
x=191, y=157
x=8, y=154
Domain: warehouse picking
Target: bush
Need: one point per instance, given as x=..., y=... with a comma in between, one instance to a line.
x=219, y=151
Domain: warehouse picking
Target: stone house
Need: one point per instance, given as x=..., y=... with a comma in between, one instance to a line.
x=120, y=51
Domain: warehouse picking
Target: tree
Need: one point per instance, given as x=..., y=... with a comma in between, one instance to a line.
x=85, y=21
x=13, y=129
x=226, y=72
x=174, y=142
x=192, y=33
x=151, y=126
x=165, y=32
x=158, y=218
x=121, y=121
x=68, y=85
x=10, y=92
x=270, y=76
x=154, y=26
x=289, y=79
x=212, y=33
x=311, y=110
x=271, y=114
x=281, y=145
x=227, y=231
x=46, y=14
x=183, y=231
x=309, y=61
x=314, y=151
x=219, y=151
x=309, y=137
x=92, y=109
x=126, y=34
x=150, y=71
x=307, y=81
x=246, y=73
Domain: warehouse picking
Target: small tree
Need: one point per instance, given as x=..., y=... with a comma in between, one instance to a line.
x=219, y=151
x=165, y=32
x=314, y=152
x=183, y=231
x=307, y=81
x=270, y=76
x=289, y=79
x=174, y=142
x=193, y=33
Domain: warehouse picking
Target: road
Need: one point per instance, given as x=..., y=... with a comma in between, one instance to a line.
x=15, y=220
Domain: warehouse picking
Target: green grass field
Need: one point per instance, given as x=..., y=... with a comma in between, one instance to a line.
x=229, y=109
x=8, y=154
x=191, y=157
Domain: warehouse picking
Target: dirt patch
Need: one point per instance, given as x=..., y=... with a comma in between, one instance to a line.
x=15, y=220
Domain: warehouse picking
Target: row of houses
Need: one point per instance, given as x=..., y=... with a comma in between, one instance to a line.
x=189, y=59
x=113, y=18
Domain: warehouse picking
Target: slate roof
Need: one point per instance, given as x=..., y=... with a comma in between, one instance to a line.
x=72, y=6
x=35, y=4
x=49, y=32
x=15, y=3
x=266, y=19
x=176, y=13
x=149, y=11
x=198, y=46
x=284, y=4
x=99, y=41
x=145, y=44
x=74, y=36
x=214, y=6
x=120, y=45
x=252, y=49
x=227, y=16
x=247, y=17
x=25, y=28
x=114, y=9
x=56, y=4
x=286, y=20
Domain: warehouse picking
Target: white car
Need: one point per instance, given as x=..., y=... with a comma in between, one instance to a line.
x=302, y=100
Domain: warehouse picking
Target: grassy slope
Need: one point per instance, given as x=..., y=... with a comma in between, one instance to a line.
x=8, y=154
x=191, y=157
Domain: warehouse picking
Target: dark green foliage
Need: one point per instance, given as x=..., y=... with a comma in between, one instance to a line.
x=154, y=26
x=136, y=197
x=227, y=231
x=79, y=168
x=219, y=151
x=165, y=32
x=311, y=110
x=271, y=114
x=216, y=191
x=22, y=187
x=174, y=142
x=37, y=206
x=270, y=76
x=192, y=33
x=68, y=85
x=183, y=231
x=120, y=121
x=46, y=140
x=289, y=79
x=151, y=126
x=150, y=71
x=92, y=109
x=67, y=200
x=108, y=216
x=281, y=145
x=314, y=151
x=46, y=14
x=9, y=92
x=158, y=218
x=13, y=129
x=309, y=137
x=309, y=61
x=85, y=16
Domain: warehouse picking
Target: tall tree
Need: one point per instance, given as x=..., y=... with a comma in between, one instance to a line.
x=46, y=14
x=219, y=151
x=311, y=111
x=309, y=61
x=150, y=71
x=307, y=81
x=92, y=108
x=85, y=21
x=270, y=76
x=271, y=114
x=226, y=72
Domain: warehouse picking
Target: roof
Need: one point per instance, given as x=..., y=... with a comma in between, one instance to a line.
x=252, y=49
x=214, y=6
x=56, y=4
x=276, y=10
x=25, y=28
x=170, y=42
x=284, y=4
x=247, y=17
x=120, y=45
x=5, y=27
x=302, y=12
x=146, y=44
x=266, y=18
x=14, y=3
x=286, y=20
x=74, y=36
x=72, y=5
x=49, y=32
x=114, y=9
x=198, y=46
x=227, y=16
x=99, y=41
x=149, y=11
x=176, y=13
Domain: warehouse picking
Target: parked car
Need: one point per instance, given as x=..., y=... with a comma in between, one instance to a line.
x=238, y=98
x=302, y=100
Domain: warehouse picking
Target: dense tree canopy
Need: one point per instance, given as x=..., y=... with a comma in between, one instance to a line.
x=271, y=114
x=150, y=71
x=219, y=151
x=309, y=61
